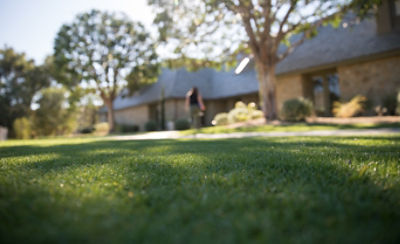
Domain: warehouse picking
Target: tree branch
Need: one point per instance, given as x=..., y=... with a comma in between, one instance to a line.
x=254, y=45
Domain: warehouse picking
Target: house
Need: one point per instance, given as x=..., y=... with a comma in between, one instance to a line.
x=358, y=58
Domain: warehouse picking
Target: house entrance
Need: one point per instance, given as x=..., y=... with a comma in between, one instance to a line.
x=323, y=90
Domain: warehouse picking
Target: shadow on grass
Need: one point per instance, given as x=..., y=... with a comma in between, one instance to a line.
x=243, y=190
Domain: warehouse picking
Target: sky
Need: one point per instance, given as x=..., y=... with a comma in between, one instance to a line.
x=30, y=26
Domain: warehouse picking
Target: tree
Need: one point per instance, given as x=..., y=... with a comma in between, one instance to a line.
x=55, y=115
x=20, y=80
x=106, y=51
x=269, y=30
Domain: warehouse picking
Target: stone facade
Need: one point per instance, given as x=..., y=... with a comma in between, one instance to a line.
x=133, y=116
x=375, y=79
x=175, y=109
x=288, y=87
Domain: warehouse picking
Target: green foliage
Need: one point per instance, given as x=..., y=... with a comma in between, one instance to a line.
x=220, y=119
x=53, y=117
x=87, y=114
x=124, y=128
x=22, y=128
x=254, y=190
x=87, y=130
x=257, y=114
x=182, y=124
x=109, y=49
x=151, y=125
x=398, y=103
x=20, y=80
x=194, y=64
x=240, y=113
x=350, y=109
x=243, y=112
x=296, y=109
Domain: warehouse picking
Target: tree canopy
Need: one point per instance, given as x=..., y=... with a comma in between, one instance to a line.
x=20, y=80
x=108, y=52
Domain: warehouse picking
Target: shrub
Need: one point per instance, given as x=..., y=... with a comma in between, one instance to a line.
x=182, y=124
x=22, y=128
x=256, y=114
x=240, y=104
x=296, y=109
x=353, y=108
x=238, y=115
x=390, y=102
x=102, y=128
x=128, y=128
x=151, y=126
x=220, y=119
x=87, y=130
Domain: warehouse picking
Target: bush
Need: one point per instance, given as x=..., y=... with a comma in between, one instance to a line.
x=256, y=114
x=240, y=104
x=241, y=113
x=22, y=128
x=102, y=128
x=353, y=108
x=53, y=117
x=296, y=109
x=238, y=114
x=86, y=130
x=390, y=103
x=220, y=119
x=127, y=128
x=182, y=124
x=151, y=126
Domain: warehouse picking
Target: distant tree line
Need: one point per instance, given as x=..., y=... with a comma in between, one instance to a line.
x=99, y=53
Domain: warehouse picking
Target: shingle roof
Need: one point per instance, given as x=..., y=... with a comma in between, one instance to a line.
x=334, y=45
x=211, y=84
x=330, y=47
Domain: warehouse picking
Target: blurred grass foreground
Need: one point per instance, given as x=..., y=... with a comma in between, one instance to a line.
x=264, y=190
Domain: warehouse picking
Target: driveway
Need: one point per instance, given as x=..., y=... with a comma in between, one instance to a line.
x=176, y=135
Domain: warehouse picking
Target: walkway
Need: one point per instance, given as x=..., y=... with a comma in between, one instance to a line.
x=176, y=135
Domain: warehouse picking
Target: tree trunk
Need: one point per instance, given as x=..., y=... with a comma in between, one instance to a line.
x=110, y=113
x=267, y=90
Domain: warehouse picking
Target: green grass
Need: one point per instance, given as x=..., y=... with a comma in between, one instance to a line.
x=288, y=128
x=264, y=190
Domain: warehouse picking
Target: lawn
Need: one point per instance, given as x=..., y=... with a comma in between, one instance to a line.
x=290, y=128
x=264, y=190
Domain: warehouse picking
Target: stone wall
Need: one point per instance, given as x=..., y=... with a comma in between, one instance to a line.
x=374, y=79
x=175, y=109
x=288, y=87
x=214, y=107
x=133, y=116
